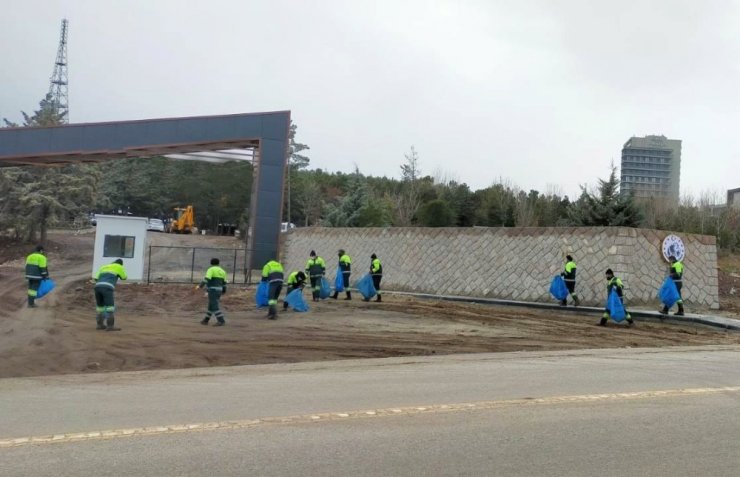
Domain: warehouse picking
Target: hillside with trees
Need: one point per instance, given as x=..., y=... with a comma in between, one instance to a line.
x=33, y=199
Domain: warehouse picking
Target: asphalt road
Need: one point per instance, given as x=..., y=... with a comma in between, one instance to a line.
x=607, y=412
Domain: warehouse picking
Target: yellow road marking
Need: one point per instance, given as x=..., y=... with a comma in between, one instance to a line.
x=362, y=414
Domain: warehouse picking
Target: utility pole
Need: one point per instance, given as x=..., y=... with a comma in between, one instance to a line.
x=59, y=79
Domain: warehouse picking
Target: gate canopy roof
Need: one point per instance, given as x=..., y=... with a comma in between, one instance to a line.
x=95, y=142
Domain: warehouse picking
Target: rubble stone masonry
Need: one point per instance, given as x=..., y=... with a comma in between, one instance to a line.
x=512, y=263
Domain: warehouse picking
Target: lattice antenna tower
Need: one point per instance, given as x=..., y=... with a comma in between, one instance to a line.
x=59, y=79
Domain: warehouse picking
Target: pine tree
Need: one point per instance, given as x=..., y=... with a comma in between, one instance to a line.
x=608, y=208
x=35, y=197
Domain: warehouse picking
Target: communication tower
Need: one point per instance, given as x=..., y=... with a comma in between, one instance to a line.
x=59, y=79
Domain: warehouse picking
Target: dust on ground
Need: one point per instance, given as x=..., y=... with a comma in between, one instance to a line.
x=161, y=329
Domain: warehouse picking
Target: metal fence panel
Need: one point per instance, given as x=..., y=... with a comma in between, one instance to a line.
x=167, y=264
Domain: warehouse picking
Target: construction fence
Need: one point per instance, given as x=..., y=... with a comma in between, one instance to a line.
x=172, y=264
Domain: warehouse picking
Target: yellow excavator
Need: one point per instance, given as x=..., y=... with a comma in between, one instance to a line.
x=183, y=222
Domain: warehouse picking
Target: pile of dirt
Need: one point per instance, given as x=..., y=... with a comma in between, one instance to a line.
x=161, y=327
x=729, y=283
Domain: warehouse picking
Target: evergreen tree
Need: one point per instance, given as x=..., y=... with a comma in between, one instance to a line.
x=608, y=208
x=357, y=208
x=436, y=213
x=35, y=197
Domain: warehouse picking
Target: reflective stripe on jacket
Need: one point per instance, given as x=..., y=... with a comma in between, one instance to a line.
x=315, y=267
x=272, y=271
x=108, y=275
x=36, y=266
x=293, y=280
x=215, y=278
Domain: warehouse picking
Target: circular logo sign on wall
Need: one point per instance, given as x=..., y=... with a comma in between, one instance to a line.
x=673, y=246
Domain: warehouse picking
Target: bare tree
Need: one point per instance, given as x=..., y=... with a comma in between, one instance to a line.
x=407, y=201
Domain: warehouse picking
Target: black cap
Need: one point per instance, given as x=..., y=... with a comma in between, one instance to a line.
x=312, y=254
x=118, y=261
x=609, y=271
x=340, y=251
x=569, y=258
x=373, y=256
x=39, y=248
x=215, y=261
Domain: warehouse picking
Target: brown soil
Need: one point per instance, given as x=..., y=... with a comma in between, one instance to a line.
x=161, y=329
x=729, y=284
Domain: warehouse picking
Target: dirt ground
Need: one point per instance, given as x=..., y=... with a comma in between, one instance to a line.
x=729, y=284
x=161, y=329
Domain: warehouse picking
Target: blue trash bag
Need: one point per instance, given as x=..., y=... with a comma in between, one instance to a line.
x=339, y=282
x=47, y=285
x=366, y=287
x=558, y=288
x=262, y=297
x=668, y=293
x=325, y=289
x=615, y=307
x=296, y=301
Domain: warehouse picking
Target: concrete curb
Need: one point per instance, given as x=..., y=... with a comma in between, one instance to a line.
x=713, y=321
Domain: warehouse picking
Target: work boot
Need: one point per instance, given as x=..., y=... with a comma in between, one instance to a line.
x=335, y=295
x=630, y=322
x=220, y=323
x=564, y=302
x=204, y=321
x=315, y=295
x=365, y=299
x=99, y=319
x=680, y=310
x=576, y=300
x=272, y=313
x=349, y=295
x=378, y=299
x=285, y=305
x=31, y=302
x=604, y=319
x=110, y=322
x=664, y=310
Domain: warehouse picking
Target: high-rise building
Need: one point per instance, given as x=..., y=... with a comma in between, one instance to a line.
x=651, y=167
x=733, y=198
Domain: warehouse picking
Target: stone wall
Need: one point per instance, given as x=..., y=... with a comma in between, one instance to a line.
x=512, y=263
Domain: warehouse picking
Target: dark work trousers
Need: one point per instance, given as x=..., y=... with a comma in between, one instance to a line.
x=621, y=298
x=345, y=282
x=104, y=300
x=315, y=286
x=274, y=292
x=679, y=285
x=33, y=289
x=376, y=282
x=571, y=286
x=214, y=305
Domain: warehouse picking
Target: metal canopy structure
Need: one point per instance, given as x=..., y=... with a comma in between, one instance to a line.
x=264, y=136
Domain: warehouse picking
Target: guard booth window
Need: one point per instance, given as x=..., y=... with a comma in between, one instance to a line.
x=119, y=246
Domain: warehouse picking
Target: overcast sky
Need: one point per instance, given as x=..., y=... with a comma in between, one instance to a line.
x=541, y=93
